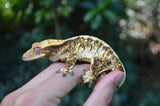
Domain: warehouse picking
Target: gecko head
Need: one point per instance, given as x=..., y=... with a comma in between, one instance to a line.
x=35, y=52
x=45, y=48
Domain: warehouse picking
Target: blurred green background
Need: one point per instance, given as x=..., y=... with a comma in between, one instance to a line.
x=130, y=27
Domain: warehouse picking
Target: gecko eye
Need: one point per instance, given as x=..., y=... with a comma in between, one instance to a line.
x=37, y=50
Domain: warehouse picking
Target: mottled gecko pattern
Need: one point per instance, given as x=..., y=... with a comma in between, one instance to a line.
x=80, y=48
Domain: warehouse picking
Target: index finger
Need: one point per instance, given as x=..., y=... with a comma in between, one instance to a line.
x=46, y=85
x=53, y=88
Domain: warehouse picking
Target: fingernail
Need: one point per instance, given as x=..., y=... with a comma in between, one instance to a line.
x=118, y=80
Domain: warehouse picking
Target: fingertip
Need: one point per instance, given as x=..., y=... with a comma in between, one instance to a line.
x=113, y=78
x=103, y=90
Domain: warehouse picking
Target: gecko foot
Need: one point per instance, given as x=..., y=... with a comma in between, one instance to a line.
x=88, y=77
x=64, y=71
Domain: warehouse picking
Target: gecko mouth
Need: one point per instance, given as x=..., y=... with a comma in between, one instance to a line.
x=28, y=58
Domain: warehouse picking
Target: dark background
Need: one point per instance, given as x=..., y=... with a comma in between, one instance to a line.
x=130, y=27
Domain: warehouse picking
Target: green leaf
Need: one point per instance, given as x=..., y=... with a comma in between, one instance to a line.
x=64, y=10
x=18, y=16
x=103, y=4
x=110, y=15
x=49, y=15
x=46, y=3
x=39, y=16
x=89, y=15
x=96, y=22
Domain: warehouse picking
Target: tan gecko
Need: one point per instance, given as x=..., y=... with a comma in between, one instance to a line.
x=80, y=48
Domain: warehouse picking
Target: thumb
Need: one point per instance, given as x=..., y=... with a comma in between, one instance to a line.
x=103, y=91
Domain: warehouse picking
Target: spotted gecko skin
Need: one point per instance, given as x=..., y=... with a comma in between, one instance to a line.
x=79, y=48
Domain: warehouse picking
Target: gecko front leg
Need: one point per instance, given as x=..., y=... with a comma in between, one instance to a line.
x=70, y=62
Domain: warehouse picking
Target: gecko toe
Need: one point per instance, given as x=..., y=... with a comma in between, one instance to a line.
x=84, y=70
x=57, y=71
x=64, y=74
x=90, y=84
x=81, y=76
x=71, y=73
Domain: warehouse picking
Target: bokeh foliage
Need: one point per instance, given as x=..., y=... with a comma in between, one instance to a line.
x=126, y=25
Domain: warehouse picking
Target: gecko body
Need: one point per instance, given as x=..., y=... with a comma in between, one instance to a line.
x=80, y=48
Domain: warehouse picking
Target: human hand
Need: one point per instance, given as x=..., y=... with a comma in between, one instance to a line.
x=47, y=88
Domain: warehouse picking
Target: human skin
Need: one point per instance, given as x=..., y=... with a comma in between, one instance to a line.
x=48, y=87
